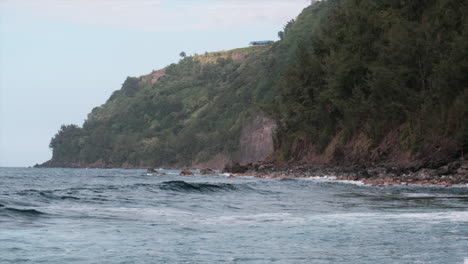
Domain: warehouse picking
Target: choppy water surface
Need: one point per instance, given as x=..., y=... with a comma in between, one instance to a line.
x=126, y=216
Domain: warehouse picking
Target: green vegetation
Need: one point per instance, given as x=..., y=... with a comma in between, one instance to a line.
x=191, y=113
x=342, y=67
x=378, y=65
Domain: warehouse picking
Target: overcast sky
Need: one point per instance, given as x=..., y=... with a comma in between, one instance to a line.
x=59, y=58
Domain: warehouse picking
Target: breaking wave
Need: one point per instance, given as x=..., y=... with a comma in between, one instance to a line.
x=182, y=186
x=12, y=212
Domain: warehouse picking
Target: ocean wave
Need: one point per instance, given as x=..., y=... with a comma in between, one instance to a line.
x=11, y=211
x=99, y=192
x=48, y=194
x=182, y=186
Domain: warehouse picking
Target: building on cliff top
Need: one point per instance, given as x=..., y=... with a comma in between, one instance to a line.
x=261, y=43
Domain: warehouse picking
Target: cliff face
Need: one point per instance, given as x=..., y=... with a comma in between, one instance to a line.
x=256, y=141
x=389, y=152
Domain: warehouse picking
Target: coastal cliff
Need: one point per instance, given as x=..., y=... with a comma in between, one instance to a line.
x=350, y=83
x=197, y=113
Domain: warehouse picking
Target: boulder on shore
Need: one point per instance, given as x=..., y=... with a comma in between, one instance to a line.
x=235, y=168
x=207, y=171
x=186, y=173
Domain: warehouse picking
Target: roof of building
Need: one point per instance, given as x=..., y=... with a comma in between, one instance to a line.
x=260, y=42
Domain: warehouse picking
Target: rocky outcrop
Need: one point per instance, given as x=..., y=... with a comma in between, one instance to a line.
x=153, y=77
x=207, y=171
x=256, y=141
x=235, y=168
x=361, y=150
x=455, y=172
x=186, y=173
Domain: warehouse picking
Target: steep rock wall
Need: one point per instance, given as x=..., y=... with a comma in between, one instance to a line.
x=256, y=141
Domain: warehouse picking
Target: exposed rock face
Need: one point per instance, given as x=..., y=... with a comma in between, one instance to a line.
x=207, y=172
x=186, y=173
x=256, y=141
x=235, y=168
x=388, y=152
x=153, y=77
x=374, y=175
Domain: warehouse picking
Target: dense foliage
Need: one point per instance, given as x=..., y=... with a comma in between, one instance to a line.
x=191, y=113
x=342, y=67
x=377, y=65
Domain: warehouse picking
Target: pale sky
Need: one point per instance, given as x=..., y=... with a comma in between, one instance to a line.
x=61, y=58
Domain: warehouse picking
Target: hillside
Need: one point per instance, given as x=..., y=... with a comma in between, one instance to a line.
x=350, y=82
x=383, y=82
x=184, y=114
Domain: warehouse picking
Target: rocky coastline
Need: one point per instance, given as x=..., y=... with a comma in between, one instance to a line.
x=448, y=174
x=453, y=173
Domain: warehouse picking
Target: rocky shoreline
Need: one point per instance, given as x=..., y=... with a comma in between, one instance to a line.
x=453, y=173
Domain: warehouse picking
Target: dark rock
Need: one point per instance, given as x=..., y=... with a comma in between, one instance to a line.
x=444, y=170
x=235, y=168
x=464, y=164
x=186, y=173
x=462, y=171
x=454, y=166
x=151, y=171
x=425, y=174
x=207, y=171
x=265, y=166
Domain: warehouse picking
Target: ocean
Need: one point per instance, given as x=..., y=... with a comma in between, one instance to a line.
x=126, y=216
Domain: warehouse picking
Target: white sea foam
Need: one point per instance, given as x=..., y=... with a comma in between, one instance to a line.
x=451, y=216
x=333, y=179
x=434, y=195
x=284, y=218
x=109, y=211
x=149, y=211
x=289, y=219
